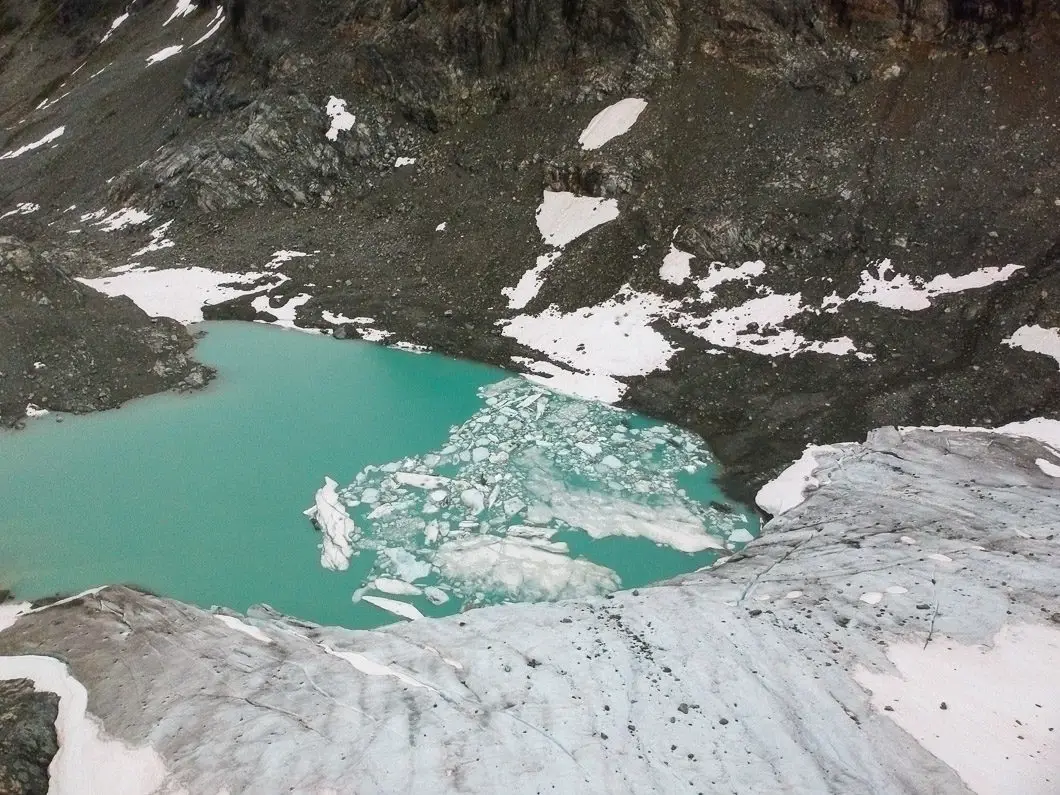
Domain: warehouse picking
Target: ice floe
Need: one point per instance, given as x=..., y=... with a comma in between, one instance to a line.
x=395, y=607
x=537, y=570
x=341, y=119
x=47, y=139
x=530, y=464
x=23, y=208
x=163, y=54
x=893, y=290
x=1037, y=339
x=87, y=761
x=611, y=122
x=335, y=525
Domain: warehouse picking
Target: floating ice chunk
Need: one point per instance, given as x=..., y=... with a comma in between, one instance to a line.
x=117, y=23
x=23, y=208
x=611, y=122
x=897, y=291
x=1036, y=339
x=87, y=760
x=336, y=526
x=601, y=516
x=184, y=7
x=1048, y=467
x=341, y=119
x=119, y=219
x=395, y=587
x=47, y=139
x=158, y=240
x=404, y=161
x=474, y=500
x=527, y=531
x=163, y=54
x=563, y=217
x=398, y=608
x=242, y=626
x=423, y=481
x=215, y=25
x=741, y=535
x=179, y=293
x=406, y=565
x=530, y=283
x=282, y=256
x=871, y=598
x=435, y=595
x=591, y=449
x=525, y=568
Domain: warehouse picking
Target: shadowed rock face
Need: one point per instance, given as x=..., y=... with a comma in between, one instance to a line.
x=27, y=737
x=65, y=347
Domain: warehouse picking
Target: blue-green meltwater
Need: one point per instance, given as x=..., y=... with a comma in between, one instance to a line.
x=431, y=484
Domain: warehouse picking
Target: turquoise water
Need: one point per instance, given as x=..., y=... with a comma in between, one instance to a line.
x=200, y=496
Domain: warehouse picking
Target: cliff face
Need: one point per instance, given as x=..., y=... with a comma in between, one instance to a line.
x=859, y=152
x=928, y=554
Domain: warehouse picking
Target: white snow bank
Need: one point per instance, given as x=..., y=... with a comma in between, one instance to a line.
x=23, y=208
x=1036, y=339
x=341, y=119
x=283, y=255
x=179, y=293
x=117, y=23
x=158, y=240
x=528, y=569
x=1000, y=703
x=184, y=7
x=897, y=291
x=720, y=273
x=242, y=626
x=10, y=612
x=611, y=122
x=87, y=763
x=791, y=487
x=47, y=139
x=335, y=525
x=676, y=265
x=1048, y=467
x=284, y=314
x=215, y=25
x=530, y=283
x=163, y=54
x=126, y=216
x=563, y=217
x=1038, y=428
x=588, y=386
x=614, y=338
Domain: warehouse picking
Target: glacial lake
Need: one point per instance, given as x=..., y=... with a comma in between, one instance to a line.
x=467, y=486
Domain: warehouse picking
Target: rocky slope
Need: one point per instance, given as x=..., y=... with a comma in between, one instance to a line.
x=893, y=633
x=819, y=139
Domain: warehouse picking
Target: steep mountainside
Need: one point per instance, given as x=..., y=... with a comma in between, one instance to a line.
x=828, y=216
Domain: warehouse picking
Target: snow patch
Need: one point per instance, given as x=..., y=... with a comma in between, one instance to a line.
x=1048, y=467
x=282, y=256
x=87, y=761
x=341, y=119
x=119, y=219
x=158, y=240
x=215, y=25
x=676, y=265
x=242, y=626
x=530, y=283
x=23, y=208
x=1001, y=701
x=184, y=7
x=611, y=122
x=47, y=139
x=1036, y=339
x=33, y=411
x=791, y=487
x=163, y=54
x=286, y=312
x=117, y=23
x=404, y=161
x=563, y=217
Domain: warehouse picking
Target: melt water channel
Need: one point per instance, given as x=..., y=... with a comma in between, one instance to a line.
x=464, y=485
